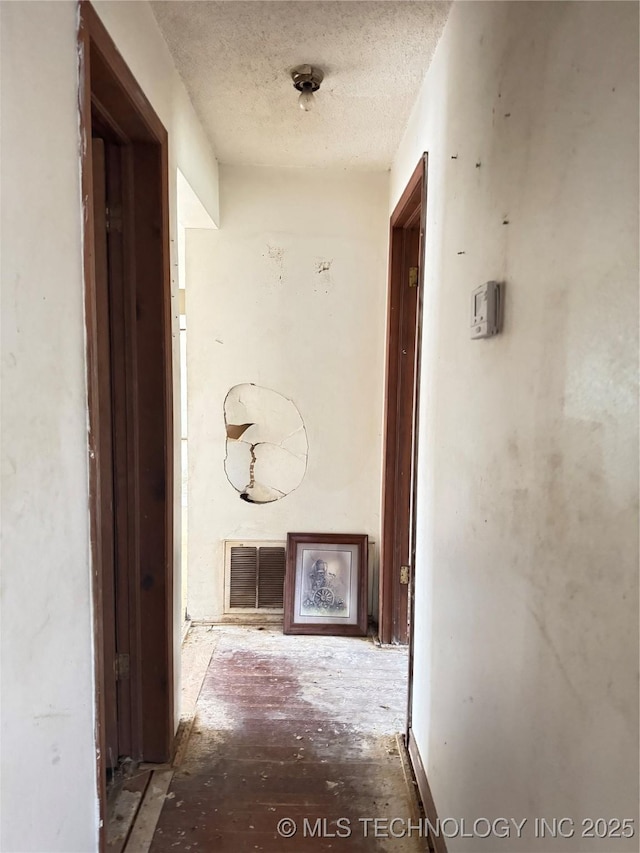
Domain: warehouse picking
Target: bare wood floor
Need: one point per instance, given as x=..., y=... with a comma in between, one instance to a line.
x=291, y=727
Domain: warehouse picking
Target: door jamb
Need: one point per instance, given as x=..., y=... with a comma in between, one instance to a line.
x=412, y=200
x=139, y=120
x=416, y=434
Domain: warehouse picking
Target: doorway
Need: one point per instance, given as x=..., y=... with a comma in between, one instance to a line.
x=401, y=419
x=128, y=322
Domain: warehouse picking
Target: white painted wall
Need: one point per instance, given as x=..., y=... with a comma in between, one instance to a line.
x=526, y=634
x=259, y=311
x=191, y=214
x=48, y=762
x=48, y=785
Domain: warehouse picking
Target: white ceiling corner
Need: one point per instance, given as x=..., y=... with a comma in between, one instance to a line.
x=235, y=58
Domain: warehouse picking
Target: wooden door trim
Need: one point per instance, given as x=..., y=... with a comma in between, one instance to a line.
x=438, y=842
x=107, y=86
x=104, y=427
x=416, y=434
x=409, y=211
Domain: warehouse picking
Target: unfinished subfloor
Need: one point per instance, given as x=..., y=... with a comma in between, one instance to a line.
x=290, y=727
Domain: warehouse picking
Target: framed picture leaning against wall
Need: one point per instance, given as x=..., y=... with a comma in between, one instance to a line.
x=325, y=588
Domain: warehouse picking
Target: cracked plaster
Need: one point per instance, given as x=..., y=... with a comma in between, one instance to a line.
x=266, y=447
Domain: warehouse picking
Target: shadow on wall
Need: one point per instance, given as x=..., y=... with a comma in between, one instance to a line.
x=266, y=448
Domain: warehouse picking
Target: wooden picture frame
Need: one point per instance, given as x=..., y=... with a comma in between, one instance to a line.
x=325, y=587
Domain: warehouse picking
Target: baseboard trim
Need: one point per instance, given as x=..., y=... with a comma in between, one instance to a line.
x=270, y=619
x=437, y=842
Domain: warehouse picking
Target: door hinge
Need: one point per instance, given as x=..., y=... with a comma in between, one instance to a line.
x=404, y=574
x=413, y=276
x=113, y=217
x=122, y=667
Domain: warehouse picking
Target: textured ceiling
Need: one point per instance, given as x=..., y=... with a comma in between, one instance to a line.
x=235, y=58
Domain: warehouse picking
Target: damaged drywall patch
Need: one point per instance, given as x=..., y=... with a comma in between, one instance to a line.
x=266, y=444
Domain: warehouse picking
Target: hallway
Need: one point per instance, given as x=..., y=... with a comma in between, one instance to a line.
x=403, y=238
x=291, y=727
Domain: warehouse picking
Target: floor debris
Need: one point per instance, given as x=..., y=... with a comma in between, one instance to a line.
x=245, y=782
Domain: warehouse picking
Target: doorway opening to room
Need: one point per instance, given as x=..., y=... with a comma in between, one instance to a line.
x=406, y=275
x=128, y=321
x=183, y=189
x=191, y=216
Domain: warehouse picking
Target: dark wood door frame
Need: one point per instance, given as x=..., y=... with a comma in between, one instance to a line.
x=106, y=432
x=400, y=443
x=112, y=106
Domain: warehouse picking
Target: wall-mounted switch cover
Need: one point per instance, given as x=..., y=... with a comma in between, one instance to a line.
x=486, y=310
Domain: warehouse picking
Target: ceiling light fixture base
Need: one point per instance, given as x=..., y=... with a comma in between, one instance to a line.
x=306, y=78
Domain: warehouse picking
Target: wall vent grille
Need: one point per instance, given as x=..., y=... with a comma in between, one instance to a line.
x=254, y=576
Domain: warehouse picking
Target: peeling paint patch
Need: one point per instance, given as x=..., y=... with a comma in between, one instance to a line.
x=266, y=448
